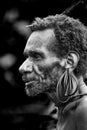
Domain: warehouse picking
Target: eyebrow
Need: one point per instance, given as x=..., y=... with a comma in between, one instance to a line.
x=33, y=52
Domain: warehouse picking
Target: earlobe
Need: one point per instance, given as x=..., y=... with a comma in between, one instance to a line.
x=72, y=60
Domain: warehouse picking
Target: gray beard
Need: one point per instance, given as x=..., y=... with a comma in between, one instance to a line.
x=41, y=86
x=37, y=87
x=34, y=88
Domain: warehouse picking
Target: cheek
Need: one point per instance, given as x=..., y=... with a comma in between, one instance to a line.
x=52, y=71
x=44, y=67
x=56, y=72
x=55, y=75
x=38, y=70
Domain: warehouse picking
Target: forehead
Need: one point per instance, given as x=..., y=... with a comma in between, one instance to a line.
x=40, y=39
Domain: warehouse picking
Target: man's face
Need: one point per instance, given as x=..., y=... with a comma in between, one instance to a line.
x=41, y=69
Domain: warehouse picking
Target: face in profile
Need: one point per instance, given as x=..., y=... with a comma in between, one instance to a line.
x=41, y=69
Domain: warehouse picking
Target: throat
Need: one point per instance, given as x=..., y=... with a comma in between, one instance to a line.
x=52, y=96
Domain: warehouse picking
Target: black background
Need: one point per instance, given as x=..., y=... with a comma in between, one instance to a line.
x=17, y=110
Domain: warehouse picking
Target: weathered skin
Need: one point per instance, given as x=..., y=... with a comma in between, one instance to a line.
x=41, y=71
x=41, y=66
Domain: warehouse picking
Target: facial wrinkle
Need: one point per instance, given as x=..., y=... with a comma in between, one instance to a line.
x=37, y=43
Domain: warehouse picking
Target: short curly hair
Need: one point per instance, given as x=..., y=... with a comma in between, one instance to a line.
x=71, y=35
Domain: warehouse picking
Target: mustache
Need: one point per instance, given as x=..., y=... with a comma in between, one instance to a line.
x=31, y=77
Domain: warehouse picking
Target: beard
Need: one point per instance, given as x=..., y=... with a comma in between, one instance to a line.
x=48, y=83
x=35, y=87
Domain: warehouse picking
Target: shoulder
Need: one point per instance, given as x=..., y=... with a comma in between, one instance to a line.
x=81, y=114
x=82, y=106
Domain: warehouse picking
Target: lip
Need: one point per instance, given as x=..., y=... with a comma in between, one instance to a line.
x=28, y=83
x=24, y=78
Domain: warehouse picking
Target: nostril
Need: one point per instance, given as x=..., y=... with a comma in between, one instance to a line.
x=24, y=69
x=29, y=68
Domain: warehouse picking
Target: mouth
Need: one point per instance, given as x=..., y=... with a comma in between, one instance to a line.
x=30, y=88
x=35, y=87
x=31, y=79
x=28, y=84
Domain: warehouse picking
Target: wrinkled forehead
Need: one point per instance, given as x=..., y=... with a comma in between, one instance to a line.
x=40, y=39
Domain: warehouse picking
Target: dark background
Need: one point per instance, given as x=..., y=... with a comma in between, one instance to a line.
x=17, y=110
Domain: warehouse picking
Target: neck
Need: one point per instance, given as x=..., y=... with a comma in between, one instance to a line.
x=82, y=89
x=52, y=95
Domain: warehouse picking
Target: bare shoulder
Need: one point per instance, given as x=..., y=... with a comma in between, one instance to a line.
x=82, y=104
x=81, y=109
x=81, y=114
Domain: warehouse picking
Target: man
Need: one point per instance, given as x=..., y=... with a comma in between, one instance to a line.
x=56, y=60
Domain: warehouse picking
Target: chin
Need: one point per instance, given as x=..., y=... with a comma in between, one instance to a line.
x=34, y=88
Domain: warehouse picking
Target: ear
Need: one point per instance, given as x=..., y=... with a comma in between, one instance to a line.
x=72, y=60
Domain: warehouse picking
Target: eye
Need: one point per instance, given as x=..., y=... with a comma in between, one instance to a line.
x=35, y=56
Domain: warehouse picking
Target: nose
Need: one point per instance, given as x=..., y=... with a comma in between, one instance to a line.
x=26, y=66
